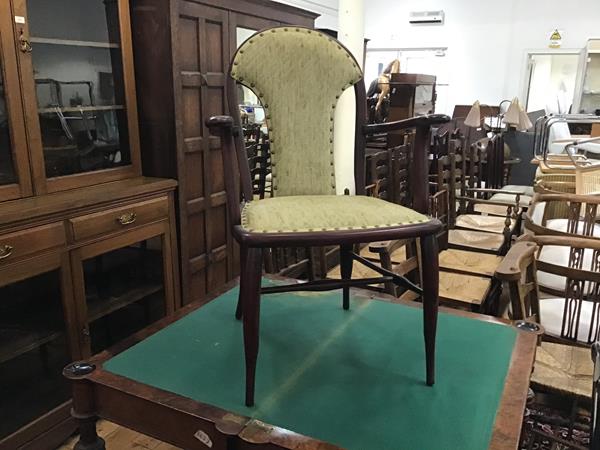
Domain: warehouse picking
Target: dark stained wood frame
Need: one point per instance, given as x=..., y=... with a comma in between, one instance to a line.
x=176, y=419
x=59, y=418
x=228, y=129
x=79, y=255
x=162, y=108
x=56, y=210
x=12, y=93
x=41, y=184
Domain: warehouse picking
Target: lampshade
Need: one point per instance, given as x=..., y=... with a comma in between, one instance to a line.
x=524, y=122
x=473, y=119
x=512, y=115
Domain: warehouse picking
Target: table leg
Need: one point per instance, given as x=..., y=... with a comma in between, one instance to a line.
x=430, y=270
x=83, y=406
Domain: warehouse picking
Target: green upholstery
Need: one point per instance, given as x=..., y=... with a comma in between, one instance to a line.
x=325, y=213
x=298, y=74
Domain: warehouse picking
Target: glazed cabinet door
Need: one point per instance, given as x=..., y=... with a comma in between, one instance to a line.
x=77, y=80
x=35, y=318
x=15, y=180
x=203, y=49
x=122, y=284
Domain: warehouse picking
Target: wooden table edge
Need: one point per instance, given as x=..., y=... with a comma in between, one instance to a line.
x=506, y=429
x=508, y=425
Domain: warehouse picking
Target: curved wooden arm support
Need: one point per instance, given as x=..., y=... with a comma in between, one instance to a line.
x=219, y=122
x=518, y=257
x=420, y=121
x=222, y=126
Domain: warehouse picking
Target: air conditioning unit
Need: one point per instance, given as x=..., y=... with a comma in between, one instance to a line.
x=426, y=17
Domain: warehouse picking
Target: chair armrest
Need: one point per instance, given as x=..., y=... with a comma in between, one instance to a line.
x=512, y=161
x=224, y=123
x=520, y=255
x=428, y=120
x=495, y=191
x=486, y=202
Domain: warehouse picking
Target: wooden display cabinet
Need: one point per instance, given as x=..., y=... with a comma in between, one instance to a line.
x=411, y=94
x=88, y=247
x=69, y=63
x=182, y=51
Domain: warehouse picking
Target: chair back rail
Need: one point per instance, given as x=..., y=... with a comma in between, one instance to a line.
x=522, y=267
x=578, y=217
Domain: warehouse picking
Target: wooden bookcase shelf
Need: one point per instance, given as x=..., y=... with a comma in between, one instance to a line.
x=16, y=342
x=101, y=307
x=69, y=109
x=52, y=41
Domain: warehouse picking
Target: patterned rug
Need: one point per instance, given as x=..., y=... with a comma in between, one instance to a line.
x=552, y=423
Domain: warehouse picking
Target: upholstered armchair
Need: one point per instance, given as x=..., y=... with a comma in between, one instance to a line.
x=299, y=74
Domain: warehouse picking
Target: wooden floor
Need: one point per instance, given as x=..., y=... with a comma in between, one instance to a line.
x=120, y=438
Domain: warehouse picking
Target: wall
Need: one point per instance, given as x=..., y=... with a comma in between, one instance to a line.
x=328, y=9
x=487, y=41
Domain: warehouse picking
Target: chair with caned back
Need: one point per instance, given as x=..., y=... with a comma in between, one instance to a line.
x=299, y=74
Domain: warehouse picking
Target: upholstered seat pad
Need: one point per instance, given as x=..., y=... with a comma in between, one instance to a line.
x=499, y=210
x=551, y=314
x=528, y=190
x=559, y=255
x=563, y=225
x=491, y=224
x=476, y=239
x=304, y=213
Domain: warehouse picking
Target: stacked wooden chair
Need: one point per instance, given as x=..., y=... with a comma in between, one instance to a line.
x=259, y=159
x=553, y=277
x=466, y=278
x=280, y=66
x=486, y=219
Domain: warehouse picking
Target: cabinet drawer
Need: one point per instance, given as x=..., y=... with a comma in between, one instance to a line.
x=23, y=243
x=116, y=219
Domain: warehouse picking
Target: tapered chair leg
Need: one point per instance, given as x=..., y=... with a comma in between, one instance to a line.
x=243, y=256
x=346, y=270
x=250, y=297
x=430, y=270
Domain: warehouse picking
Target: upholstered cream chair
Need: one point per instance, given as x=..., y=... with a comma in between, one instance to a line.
x=299, y=74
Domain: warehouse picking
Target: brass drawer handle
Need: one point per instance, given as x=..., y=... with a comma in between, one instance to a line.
x=5, y=251
x=127, y=219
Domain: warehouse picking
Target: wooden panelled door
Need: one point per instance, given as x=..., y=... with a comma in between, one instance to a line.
x=203, y=46
x=15, y=180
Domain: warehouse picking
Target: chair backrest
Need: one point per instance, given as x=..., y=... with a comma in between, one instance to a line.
x=522, y=268
x=494, y=162
x=298, y=74
x=401, y=182
x=379, y=174
x=578, y=218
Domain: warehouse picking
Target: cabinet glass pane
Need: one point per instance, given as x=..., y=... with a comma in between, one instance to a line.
x=77, y=64
x=33, y=351
x=124, y=291
x=7, y=168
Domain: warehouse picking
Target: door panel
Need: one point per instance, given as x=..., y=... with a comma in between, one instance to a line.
x=203, y=51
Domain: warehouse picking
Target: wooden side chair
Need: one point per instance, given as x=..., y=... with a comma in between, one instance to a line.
x=472, y=229
x=570, y=318
x=578, y=220
x=466, y=277
x=281, y=65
